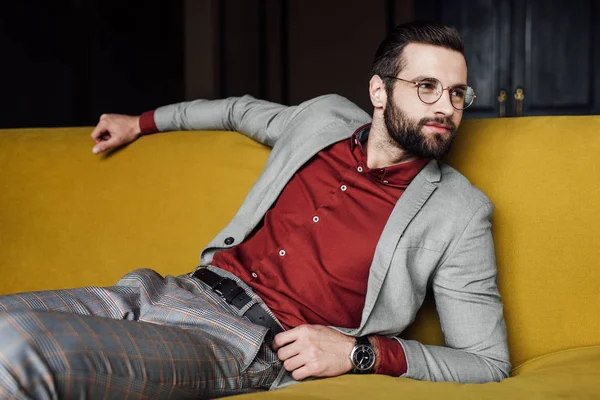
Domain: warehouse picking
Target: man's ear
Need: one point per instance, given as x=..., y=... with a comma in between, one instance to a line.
x=377, y=92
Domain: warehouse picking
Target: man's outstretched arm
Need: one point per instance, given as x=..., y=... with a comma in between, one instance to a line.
x=260, y=120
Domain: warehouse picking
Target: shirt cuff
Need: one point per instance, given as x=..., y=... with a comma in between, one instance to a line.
x=147, y=124
x=392, y=360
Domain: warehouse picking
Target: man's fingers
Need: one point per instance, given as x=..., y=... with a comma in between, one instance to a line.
x=288, y=351
x=105, y=145
x=284, y=338
x=293, y=363
x=99, y=130
x=301, y=373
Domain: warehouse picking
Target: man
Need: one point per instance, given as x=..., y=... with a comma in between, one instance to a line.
x=324, y=265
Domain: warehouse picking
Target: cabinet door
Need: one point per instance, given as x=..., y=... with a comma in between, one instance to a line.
x=485, y=28
x=556, y=54
x=546, y=49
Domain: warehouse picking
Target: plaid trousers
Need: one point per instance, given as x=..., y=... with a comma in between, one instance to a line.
x=147, y=337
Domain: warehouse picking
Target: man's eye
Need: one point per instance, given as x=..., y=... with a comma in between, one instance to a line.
x=459, y=93
x=427, y=85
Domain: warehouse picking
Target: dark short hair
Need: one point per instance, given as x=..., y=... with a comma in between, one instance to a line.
x=388, y=59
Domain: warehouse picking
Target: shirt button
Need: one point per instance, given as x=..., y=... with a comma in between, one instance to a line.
x=343, y=187
x=229, y=241
x=282, y=253
x=254, y=275
x=315, y=219
x=360, y=169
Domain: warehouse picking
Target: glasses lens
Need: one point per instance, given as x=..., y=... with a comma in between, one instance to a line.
x=462, y=96
x=429, y=91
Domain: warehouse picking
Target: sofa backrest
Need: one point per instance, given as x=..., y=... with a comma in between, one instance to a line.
x=69, y=218
x=543, y=175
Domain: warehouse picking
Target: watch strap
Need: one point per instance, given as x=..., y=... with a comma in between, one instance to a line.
x=363, y=340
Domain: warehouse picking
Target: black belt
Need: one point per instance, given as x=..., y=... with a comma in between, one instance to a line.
x=237, y=297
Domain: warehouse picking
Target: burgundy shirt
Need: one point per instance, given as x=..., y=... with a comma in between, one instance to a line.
x=309, y=260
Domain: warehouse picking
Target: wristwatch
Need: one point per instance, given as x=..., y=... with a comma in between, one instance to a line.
x=362, y=356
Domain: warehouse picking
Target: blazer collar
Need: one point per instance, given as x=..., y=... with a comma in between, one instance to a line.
x=431, y=172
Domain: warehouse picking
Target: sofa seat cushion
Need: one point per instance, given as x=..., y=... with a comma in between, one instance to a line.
x=573, y=373
x=568, y=373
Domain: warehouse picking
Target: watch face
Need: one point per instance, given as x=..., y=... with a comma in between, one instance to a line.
x=363, y=357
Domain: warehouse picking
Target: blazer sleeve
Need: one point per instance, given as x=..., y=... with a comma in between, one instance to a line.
x=260, y=120
x=470, y=311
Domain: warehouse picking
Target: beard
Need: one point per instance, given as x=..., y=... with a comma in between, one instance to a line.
x=409, y=135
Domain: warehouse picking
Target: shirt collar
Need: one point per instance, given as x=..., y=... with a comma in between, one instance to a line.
x=399, y=175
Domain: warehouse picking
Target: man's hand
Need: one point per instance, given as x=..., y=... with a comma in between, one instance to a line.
x=314, y=350
x=114, y=130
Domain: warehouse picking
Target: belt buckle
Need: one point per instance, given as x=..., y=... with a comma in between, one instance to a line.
x=227, y=289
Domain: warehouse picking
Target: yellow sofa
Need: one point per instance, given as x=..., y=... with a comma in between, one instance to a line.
x=69, y=218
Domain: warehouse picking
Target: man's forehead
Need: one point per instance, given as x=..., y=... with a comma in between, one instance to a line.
x=434, y=61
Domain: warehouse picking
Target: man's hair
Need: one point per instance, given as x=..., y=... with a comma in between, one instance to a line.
x=389, y=59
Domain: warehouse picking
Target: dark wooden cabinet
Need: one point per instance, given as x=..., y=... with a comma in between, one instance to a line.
x=528, y=57
x=558, y=59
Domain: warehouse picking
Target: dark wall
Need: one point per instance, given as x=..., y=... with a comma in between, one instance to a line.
x=287, y=51
x=66, y=62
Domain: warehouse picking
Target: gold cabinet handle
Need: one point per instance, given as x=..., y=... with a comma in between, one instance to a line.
x=519, y=97
x=502, y=103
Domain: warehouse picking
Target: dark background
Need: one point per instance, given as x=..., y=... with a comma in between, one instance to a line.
x=65, y=62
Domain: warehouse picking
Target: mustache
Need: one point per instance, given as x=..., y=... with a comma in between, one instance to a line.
x=446, y=122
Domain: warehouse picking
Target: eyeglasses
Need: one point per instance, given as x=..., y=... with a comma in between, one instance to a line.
x=430, y=90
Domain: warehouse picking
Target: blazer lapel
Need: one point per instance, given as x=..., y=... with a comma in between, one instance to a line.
x=408, y=206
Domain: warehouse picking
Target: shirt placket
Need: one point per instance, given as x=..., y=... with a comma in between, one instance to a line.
x=282, y=255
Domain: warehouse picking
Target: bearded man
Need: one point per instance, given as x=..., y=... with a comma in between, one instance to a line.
x=323, y=267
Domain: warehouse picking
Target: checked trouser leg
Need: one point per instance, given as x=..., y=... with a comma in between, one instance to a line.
x=148, y=337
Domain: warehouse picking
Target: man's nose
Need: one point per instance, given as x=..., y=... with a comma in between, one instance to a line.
x=444, y=106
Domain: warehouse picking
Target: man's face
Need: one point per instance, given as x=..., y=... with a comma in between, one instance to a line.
x=425, y=130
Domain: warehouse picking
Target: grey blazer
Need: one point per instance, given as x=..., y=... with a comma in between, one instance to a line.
x=438, y=235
